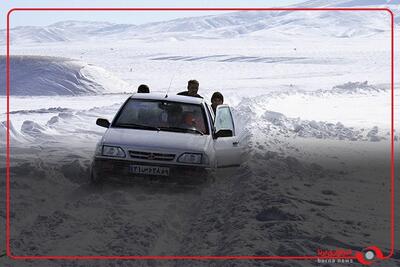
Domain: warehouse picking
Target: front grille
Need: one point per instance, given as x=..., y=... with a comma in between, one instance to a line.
x=151, y=156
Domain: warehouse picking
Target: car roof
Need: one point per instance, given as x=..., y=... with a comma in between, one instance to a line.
x=169, y=97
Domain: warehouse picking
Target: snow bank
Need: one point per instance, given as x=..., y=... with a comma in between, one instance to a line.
x=356, y=88
x=16, y=137
x=341, y=113
x=41, y=75
x=318, y=129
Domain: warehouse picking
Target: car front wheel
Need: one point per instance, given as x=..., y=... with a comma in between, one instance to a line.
x=95, y=178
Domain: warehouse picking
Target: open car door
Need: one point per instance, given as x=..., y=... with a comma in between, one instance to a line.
x=226, y=144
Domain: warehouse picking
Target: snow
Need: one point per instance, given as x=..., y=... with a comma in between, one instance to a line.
x=42, y=75
x=224, y=25
x=311, y=105
x=347, y=104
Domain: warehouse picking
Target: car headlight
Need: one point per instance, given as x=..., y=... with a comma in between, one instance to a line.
x=190, y=158
x=113, y=151
x=205, y=159
x=99, y=149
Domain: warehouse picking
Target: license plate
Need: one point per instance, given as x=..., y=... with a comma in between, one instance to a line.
x=149, y=170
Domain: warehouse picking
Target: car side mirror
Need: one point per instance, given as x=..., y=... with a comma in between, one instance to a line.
x=224, y=133
x=103, y=123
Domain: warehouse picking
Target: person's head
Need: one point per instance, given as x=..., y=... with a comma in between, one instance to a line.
x=217, y=99
x=188, y=118
x=193, y=87
x=143, y=89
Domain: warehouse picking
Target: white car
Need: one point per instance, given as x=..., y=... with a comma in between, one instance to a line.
x=165, y=136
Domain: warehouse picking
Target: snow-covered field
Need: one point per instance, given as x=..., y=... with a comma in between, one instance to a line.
x=310, y=94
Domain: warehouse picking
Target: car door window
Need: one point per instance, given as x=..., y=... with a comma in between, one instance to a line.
x=224, y=120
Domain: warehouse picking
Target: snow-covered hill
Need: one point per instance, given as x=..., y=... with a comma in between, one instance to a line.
x=40, y=75
x=225, y=25
x=393, y=5
x=349, y=3
x=64, y=31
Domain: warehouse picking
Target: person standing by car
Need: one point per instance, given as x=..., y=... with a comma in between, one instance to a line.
x=143, y=88
x=192, y=89
x=216, y=100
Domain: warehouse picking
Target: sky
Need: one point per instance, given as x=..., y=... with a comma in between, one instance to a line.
x=36, y=18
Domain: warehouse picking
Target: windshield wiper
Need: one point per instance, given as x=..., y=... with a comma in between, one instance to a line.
x=185, y=130
x=134, y=125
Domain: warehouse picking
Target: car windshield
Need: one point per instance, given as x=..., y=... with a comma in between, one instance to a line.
x=161, y=115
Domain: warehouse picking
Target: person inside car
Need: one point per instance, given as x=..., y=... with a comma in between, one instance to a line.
x=194, y=120
x=216, y=100
x=192, y=89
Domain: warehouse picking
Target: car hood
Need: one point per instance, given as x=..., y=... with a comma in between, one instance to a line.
x=155, y=140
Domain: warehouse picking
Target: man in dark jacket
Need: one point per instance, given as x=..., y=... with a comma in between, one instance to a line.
x=192, y=88
x=216, y=100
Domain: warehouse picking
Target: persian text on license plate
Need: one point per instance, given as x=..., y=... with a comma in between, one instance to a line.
x=149, y=170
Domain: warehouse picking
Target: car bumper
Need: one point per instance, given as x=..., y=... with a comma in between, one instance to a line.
x=120, y=169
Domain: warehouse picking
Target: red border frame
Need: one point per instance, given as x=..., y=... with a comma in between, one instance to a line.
x=357, y=254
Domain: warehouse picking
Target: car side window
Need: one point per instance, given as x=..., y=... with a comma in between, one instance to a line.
x=224, y=120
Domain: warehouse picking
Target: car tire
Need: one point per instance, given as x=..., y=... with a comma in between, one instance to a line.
x=210, y=179
x=95, y=179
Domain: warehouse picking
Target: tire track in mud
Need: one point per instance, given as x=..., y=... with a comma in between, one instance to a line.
x=213, y=226
x=175, y=219
x=274, y=205
x=225, y=219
